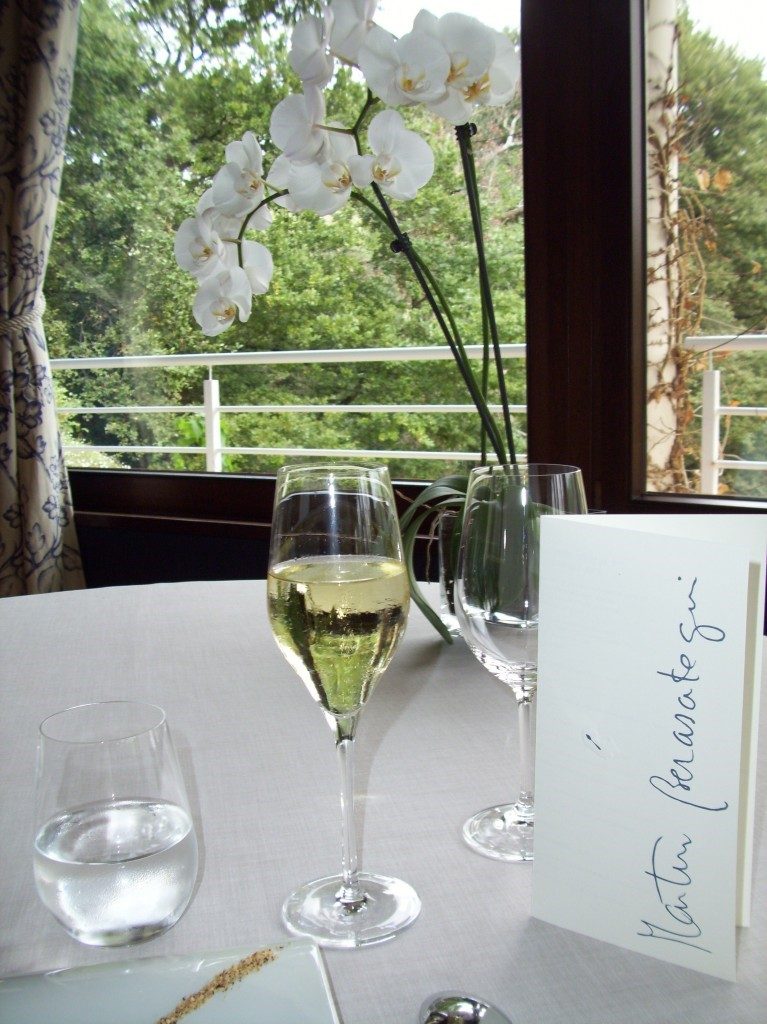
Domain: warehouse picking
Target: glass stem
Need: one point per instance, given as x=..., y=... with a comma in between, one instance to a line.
x=525, y=801
x=351, y=895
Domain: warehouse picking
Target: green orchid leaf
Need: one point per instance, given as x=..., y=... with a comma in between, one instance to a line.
x=409, y=537
x=432, y=496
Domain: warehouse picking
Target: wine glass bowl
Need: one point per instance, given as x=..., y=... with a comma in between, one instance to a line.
x=497, y=610
x=338, y=600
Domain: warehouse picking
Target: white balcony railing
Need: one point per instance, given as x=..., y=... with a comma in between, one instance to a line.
x=212, y=410
x=712, y=460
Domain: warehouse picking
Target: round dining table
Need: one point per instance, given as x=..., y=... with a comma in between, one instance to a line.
x=436, y=742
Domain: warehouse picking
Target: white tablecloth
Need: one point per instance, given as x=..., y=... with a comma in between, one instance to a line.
x=437, y=742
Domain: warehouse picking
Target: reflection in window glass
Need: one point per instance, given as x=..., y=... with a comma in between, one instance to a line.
x=707, y=247
x=135, y=170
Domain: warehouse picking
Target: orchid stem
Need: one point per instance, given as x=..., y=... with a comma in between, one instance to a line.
x=264, y=202
x=429, y=286
x=485, y=381
x=370, y=101
x=464, y=133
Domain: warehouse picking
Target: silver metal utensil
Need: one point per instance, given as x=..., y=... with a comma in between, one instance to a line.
x=458, y=1008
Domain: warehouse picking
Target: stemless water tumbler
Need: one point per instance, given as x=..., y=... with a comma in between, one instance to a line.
x=115, y=853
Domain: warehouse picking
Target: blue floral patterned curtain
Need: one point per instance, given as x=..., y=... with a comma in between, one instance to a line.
x=38, y=544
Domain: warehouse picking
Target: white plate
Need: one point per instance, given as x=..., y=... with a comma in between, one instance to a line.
x=291, y=989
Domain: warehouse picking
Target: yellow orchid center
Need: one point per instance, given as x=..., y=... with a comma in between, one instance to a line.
x=408, y=82
x=339, y=178
x=457, y=67
x=385, y=170
x=225, y=313
x=201, y=253
x=477, y=90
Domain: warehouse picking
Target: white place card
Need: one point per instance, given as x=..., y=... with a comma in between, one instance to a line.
x=649, y=664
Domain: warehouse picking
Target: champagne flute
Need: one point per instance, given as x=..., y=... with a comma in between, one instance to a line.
x=497, y=609
x=338, y=600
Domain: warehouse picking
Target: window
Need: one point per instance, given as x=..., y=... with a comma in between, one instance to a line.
x=585, y=216
x=707, y=247
x=166, y=397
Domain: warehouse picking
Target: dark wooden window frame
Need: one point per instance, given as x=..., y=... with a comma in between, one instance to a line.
x=582, y=88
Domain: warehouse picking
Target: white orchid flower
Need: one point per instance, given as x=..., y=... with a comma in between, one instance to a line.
x=277, y=178
x=402, y=161
x=198, y=246
x=295, y=125
x=258, y=265
x=205, y=202
x=401, y=72
x=309, y=55
x=220, y=299
x=504, y=71
x=352, y=20
x=228, y=227
x=472, y=49
x=238, y=187
x=325, y=187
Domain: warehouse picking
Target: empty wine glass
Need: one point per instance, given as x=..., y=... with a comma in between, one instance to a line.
x=497, y=609
x=338, y=601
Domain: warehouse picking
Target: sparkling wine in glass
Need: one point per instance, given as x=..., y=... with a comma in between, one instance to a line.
x=338, y=600
x=497, y=609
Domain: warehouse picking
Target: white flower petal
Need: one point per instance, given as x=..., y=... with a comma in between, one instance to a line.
x=425, y=21
x=227, y=228
x=197, y=246
x=414, y=163
x=362, y=170
x=403, y=161
x=253, y=152
x=404, y=185
x=453, y=108
x=413, y=69
x=340, y=145
x=237, y=190
x=205, y=202
x=293, y=125
x=352, y=19
x=308, y=55
x=322, y=189
x=415, y=154
x=504, y=71
x=384, y=129
x=424, y=67
x=278, y=179
x=247, y=153
x=260, y=219
x=258, y=266
x=256, y=262
x=471, y=46
x=315, y=104
x=220, y=299
x=379, y=62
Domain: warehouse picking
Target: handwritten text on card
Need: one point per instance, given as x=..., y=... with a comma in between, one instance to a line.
x=671, y=857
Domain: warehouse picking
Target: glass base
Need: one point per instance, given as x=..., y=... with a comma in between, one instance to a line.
x=314, y=911
x=504, y=832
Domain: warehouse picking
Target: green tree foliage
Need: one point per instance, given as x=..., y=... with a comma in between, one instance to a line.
x=724, y=139
x=180, y=36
